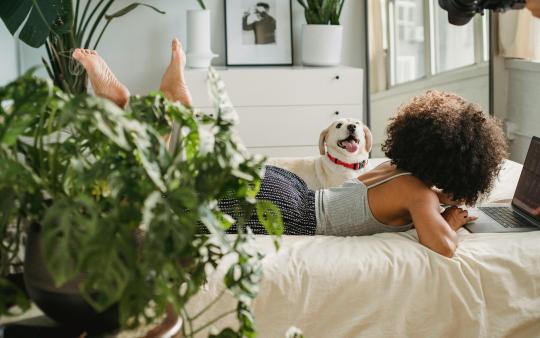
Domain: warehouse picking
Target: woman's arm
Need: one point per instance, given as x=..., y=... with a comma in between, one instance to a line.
x=435, y=230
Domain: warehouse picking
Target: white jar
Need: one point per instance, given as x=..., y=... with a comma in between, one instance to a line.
x=199, y=51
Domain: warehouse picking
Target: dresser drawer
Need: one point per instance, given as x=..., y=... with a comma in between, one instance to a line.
x=289, y=126
x=282, y=86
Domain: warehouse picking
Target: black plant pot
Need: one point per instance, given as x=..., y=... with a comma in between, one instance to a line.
x=63, y=304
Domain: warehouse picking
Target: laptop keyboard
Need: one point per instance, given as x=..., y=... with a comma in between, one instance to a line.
x=505, y=216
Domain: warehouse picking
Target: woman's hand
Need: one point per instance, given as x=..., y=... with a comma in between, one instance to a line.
x=457, y=217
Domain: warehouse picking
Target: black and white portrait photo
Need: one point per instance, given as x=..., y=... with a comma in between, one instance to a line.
x=260, y=25
x=258, y=32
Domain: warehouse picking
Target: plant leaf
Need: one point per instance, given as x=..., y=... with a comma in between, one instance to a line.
x=13, y=13
x=44, y=15
x=66, y=225
x=12, y=296
x=270, y=217
x=129, y=8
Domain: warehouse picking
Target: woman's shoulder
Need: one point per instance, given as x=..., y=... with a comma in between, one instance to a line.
x=417, y=189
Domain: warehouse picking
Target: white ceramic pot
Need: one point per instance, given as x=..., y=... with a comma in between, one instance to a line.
x=199, y=50
x=321, y=45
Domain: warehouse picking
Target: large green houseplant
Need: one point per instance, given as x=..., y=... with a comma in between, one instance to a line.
x=322, y=35
x=119, y=207
x=61, y=26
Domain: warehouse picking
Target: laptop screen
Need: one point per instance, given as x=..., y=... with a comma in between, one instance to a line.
x=527, y=196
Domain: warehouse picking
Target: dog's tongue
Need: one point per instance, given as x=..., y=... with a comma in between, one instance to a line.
x=351, y=146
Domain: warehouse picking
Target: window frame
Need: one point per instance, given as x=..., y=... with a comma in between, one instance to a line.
x=481, y=45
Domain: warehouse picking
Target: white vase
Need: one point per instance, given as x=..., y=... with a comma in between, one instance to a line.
x=321, y=45
x=199, y=51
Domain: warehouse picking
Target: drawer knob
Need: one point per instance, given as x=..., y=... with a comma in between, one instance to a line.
x=336, y=112
x=337, y=77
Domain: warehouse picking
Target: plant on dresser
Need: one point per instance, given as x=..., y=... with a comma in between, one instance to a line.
x=322, y=36
x=112, y=214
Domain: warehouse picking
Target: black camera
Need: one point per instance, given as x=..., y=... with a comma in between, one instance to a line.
x=461, y=11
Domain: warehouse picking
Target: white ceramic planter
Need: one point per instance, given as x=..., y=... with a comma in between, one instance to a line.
x=199, y=50
x=321, y=45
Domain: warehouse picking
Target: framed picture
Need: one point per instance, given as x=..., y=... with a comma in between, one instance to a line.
x=258, y=32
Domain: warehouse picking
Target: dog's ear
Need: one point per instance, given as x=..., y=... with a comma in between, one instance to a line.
x=369, y=139
x=322, y=141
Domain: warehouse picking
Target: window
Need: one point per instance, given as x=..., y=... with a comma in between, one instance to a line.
x=453, y=45
x=421, y=43
x=407, y=40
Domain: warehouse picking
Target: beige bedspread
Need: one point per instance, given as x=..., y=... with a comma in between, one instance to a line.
x=389, y=285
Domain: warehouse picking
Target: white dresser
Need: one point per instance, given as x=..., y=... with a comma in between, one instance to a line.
x=283, y=110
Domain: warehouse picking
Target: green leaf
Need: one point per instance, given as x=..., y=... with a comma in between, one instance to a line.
x=201, y=3
x=323, y=12
x=104, y=287
x=13, y=13
x=226, y=333
x=43, y=17
x=67, y=225
x=129, y=8
x=214, y=225
x=270, y=217
x=12, y=301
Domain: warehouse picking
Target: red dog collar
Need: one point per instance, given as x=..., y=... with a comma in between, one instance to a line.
x=354, y=166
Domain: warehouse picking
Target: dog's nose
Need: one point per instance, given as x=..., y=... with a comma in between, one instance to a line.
x=351, y=127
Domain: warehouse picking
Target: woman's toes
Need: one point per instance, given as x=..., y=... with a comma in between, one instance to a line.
x=175, y=43
x=77, y=54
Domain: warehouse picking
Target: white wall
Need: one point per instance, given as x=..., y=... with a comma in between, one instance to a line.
x=471, y=83
x=8, y=56
x=522, y=104
x=136, y=46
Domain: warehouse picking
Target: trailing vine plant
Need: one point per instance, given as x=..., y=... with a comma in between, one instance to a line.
x=93, y=176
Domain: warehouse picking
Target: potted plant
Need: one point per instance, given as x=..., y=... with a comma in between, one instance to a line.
x=199, y=51
x=62, y=26
x=322, y=35
x=113, y=212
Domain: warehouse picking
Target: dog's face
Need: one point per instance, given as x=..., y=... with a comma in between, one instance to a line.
x=346, y=138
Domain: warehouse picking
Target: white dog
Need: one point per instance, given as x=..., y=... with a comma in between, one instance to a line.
x=344, y=148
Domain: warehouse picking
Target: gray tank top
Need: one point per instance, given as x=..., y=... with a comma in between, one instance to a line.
x=345, y=211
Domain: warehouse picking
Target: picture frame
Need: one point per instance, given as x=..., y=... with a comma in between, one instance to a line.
x=258, y=32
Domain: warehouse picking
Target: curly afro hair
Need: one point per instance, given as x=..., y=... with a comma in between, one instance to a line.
x=448, y=143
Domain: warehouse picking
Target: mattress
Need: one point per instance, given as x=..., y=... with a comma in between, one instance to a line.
x=389, y=285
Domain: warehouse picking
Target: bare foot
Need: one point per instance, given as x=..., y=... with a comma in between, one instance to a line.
x=103, y=81
x=173, y=84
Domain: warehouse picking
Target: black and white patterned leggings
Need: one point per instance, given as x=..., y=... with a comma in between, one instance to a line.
x=290, y=194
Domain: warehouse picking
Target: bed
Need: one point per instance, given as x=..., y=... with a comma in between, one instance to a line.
x=389, y=285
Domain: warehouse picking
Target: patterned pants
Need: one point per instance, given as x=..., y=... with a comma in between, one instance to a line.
x=290, y=194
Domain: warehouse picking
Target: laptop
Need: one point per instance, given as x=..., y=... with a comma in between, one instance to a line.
x=523, y=214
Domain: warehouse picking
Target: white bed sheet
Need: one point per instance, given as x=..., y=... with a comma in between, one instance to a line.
x=389, y=285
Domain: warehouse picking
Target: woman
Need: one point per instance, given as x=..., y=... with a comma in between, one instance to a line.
x=436, y=141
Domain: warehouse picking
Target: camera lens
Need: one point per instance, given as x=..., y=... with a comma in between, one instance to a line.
x=459, y=11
